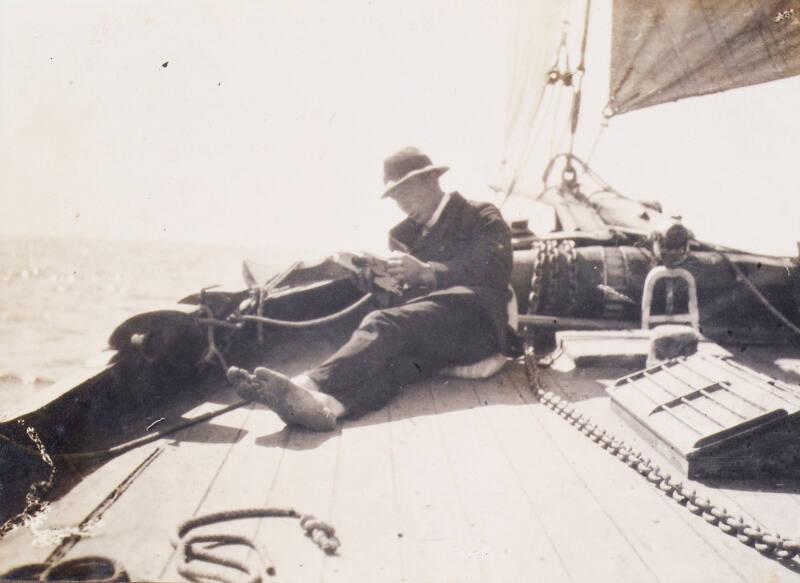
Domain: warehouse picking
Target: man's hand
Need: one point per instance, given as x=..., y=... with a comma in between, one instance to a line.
x=408, y=269
x=363, y=279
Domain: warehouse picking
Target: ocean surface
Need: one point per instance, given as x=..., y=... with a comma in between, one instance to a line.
x=60, y=299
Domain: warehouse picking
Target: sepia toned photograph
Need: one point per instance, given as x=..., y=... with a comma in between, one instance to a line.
x=426, y=291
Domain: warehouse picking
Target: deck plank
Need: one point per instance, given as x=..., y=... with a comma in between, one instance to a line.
x=454, y=481
x=305, y=482
x=137, y=530
x=586, y=538
x=433, y=529
x=363, y=505
x=35, y=542
x=645, y=517
x=244, y=480
x=514, y=545
x=749, y=565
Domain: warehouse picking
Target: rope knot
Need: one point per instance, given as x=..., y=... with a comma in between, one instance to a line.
x=322, y=533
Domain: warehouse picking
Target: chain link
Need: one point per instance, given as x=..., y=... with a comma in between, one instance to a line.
x=771, y=545
x=554, y=284
x=35, y=501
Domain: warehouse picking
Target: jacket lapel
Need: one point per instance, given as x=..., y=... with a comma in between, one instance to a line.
x=409, y=234
x=404, y=235
x=443, y=227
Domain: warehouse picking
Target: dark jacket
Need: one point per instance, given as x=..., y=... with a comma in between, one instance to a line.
x=470, y=251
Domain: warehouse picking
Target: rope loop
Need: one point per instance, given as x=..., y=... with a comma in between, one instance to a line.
x=320, y=532
x=95, y=568
x=354, y=307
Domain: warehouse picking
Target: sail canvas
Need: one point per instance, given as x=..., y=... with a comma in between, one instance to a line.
x=664, y=51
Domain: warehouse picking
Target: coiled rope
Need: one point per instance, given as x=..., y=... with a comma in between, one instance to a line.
x=98, y=569
x=322, y=533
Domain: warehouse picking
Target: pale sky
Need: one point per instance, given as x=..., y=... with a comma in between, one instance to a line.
x=270, y=122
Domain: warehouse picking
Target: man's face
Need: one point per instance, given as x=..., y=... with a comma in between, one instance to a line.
x=418, y=198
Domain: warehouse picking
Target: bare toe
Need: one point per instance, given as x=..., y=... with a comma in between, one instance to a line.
x=270, y=376
x=238, y=375
x=294, y=404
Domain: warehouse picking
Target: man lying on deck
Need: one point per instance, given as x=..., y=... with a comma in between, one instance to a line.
x=454, y=271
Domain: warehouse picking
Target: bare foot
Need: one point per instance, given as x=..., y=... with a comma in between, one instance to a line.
x=238, y=376
x=293, y=404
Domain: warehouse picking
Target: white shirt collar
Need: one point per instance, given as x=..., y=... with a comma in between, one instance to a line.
x=438, y=212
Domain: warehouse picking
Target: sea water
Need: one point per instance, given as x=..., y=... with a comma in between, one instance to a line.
x=60, y=299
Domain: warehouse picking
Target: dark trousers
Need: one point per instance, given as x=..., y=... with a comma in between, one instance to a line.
x=395, y=347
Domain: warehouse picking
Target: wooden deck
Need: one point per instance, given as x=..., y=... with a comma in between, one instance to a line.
x=454, y=481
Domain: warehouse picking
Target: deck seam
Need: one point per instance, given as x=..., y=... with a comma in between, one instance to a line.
x=524, y=491
x=210, y=484
x=523, y=394
x=334, y=479
x=69, y=543
x=528, y=404
x=257, y=528
x=681, y=515
x=395, y=503
x=447, y=456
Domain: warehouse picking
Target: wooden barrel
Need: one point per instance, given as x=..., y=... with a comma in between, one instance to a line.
x=606, y=282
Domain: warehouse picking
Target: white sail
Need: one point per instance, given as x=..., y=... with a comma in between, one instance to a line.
x=724, y=162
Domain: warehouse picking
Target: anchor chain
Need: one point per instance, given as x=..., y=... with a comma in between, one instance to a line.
x=769, y=544
x=554, y=284
x=35, y=498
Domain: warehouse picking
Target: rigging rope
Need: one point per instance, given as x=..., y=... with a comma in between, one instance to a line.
x=577, y=95
x=35, y=504
x=133, y=443
x=553, y=143
x=597, y=137
x=314, y=322
x=552, y=95
x=560, y=74
x=760, y=296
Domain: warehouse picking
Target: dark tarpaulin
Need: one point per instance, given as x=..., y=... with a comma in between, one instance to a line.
x=664, y=50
